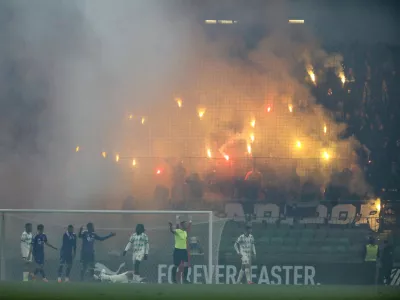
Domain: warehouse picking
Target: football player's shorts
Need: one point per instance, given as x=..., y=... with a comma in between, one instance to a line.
x=180, y=256
x=25, y=256
x=39, y=259
x=87, y=258
x=137, y=256
x=66, y=258
x=246, y=259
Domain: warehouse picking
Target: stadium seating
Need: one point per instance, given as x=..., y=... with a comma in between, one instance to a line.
x=234, y=211
x=277, y=246
x=268, y=213
x=285, y=243
x=339, y=240
x=343, y=214
x=322, y=213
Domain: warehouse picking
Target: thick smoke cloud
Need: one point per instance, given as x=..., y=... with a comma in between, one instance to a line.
x=88, y=73
x=36, y=44
x=72, y=70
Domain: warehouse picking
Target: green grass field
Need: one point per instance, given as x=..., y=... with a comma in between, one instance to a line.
x=71, y=291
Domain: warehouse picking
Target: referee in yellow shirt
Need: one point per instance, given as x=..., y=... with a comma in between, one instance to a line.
x=180, y=252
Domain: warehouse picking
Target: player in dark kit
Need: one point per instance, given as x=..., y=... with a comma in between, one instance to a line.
x=88, y=237
x=38, y=243
x=67, y=253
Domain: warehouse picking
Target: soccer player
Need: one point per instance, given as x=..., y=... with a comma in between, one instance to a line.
x=125, y=277
x=244, y=247
x=67, y=253
x=180, y=252
x=139, y=241
x=88, y=237
x=26, y=252
x=38, y=243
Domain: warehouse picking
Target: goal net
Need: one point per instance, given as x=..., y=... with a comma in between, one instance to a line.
x=203, y=242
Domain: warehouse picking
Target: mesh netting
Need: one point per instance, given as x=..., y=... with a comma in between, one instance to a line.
x=109, y=252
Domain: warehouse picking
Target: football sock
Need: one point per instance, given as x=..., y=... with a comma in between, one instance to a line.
x=42, y=273
x=247, y=272
x=60, y=270
x=136, y=268
x=185, y=273
x=68, y=271
x=173, y=273
x=240, y=276
x=25, y=276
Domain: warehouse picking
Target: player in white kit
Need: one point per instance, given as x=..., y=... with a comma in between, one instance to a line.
x=126, y=277
x=244, y=247
x=26, y=253
x=139, y=243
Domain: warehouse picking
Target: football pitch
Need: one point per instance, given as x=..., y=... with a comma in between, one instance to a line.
x=71, y=291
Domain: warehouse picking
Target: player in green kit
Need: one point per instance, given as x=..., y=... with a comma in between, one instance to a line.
x=180, y=252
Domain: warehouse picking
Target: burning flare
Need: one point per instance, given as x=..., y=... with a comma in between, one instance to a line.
x=178, y=102
x=143, y=120
x=104, y=154
x=117, y=158
x=326, y=155
x=298, y=144
x=325, y=129
x=290, y=107
x=134, y=162
x=201, y=111
x=311, y=73
x=253, y=123
x=77, y=149
x=252, y=138
x=209, y=154
x=378, y=204
x=226, y=156
x=342, y=77
x=249, y=148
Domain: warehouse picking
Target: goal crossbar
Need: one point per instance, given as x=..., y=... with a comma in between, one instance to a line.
x=83, y=211
x=72, y=211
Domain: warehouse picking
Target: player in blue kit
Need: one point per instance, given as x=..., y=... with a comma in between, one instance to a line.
x=88, y=237
x=67, y=253
x=37, y=249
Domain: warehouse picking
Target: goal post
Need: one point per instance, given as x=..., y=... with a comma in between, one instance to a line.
x=206, y=230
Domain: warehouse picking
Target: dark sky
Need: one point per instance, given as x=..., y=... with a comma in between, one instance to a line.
x=364, y=21
x=335, y=20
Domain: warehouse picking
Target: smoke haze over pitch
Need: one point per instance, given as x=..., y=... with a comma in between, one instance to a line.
x=74, y=70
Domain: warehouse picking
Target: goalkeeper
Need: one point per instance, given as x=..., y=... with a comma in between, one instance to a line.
x=180, y=255
x=139, y=241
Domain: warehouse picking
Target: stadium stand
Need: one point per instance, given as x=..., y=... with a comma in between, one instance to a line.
x=266, y=212
x=338, y=240
x=321, y=215
x=234, y=211
x=343, y=214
